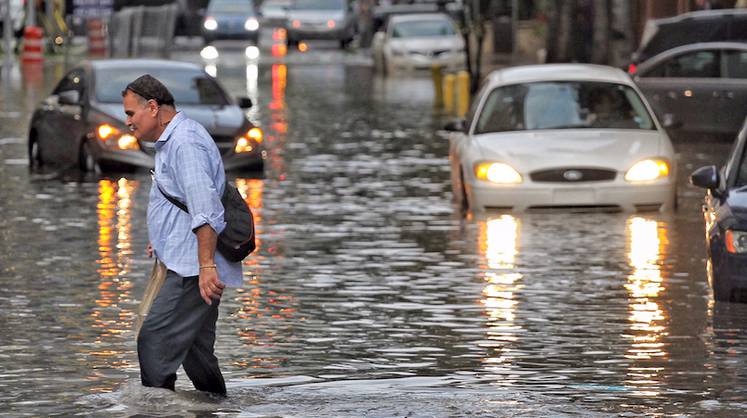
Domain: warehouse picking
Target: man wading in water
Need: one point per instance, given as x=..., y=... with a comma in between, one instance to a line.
x=180, y=327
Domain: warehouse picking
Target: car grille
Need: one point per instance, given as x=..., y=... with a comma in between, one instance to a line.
x=572, y=175
x=225, y=145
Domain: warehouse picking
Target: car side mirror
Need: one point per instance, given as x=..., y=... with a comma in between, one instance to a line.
x=670, y=122
x=705, y=177
x=457, y=125
x=245, y=102
x=70, y=97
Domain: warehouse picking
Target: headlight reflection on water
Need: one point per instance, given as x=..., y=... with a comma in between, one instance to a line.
x=648, y=244
x=498, y=243
x=110, y=318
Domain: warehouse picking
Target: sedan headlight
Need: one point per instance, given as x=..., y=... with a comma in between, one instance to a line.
x=251, y=24
x=116, y=139
x=498, y=173
x=647, y=170
x=210, y=24
x=736, y=241
x=248, y=141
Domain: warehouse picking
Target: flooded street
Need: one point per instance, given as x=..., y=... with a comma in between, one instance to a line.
x=370, y=294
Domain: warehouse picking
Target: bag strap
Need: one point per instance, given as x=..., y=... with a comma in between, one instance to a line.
x=171, y=199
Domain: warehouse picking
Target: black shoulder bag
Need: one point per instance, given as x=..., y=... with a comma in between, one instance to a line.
x=236, y=241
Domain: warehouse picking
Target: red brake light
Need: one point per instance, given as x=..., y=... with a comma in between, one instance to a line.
x=632, y=68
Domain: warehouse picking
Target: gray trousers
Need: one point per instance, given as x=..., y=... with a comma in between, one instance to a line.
x=180, y=330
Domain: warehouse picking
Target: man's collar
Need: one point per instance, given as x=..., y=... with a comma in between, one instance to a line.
x=178, y=117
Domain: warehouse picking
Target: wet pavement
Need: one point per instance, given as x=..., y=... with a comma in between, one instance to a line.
x=370, y=294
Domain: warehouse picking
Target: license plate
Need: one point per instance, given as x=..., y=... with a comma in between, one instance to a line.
x=574, y=196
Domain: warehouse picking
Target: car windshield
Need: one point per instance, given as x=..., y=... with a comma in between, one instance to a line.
x=319, y=4
x=231, y=6
x=422, y=28
x=189, y=87
x=563, y=105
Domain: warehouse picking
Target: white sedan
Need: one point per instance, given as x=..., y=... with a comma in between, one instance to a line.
x=561, y=136
x=418, y=41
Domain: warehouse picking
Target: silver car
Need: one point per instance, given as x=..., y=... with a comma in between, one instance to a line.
x=321, y=19
x=698, y=88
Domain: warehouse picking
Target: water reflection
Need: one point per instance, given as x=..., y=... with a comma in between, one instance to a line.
x=276, y=135
x=648, y=246
x=257, y=304
x=498, y=242
x=111, y=314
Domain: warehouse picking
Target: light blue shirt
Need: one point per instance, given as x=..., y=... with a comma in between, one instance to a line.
x=189, y=168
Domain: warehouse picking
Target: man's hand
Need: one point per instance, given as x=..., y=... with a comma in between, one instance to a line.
x=210, y=286
x=149, y=250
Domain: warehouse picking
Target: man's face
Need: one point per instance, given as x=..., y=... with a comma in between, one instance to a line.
x=141, y=116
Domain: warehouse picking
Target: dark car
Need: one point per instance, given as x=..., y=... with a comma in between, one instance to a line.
x=725, y=213
x=231, y=19
x=321, y=19
x=660, y=35
x=82, y=123
x=699, y=87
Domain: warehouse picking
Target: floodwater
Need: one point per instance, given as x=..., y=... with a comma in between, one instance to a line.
x=369, y=294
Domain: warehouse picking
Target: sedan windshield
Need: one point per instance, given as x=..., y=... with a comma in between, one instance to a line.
x=563, y=105
x=423, y=28
x=231, y=6
x=189, y=87
x=319, y=4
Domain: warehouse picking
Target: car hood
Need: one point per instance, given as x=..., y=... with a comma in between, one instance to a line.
x=430, y=43
x=220, y=121
x=316, y=15
x=529, y=151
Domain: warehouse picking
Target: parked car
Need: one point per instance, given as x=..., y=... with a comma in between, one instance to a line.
x=698, y=87
x=725, y=214
x=231, y=19
x=660, y=35
x=321, y=19
x=418, y=41
x=82, y=123
x=275, y=12
x=561, y=136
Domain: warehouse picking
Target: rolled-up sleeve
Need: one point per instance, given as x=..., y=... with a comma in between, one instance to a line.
x=192, y=174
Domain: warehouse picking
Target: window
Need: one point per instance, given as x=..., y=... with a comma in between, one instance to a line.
x=735, y=64
x=699, y=64
x=423, y=29
x=563, y=105
x=187, y=86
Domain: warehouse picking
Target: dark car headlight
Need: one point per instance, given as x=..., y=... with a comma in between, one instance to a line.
x=115, y=138
x=247, y=142
x=736, y=241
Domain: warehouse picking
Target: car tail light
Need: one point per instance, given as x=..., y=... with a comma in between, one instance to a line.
x=296, y=24
x=331, y=24
x=632, y=68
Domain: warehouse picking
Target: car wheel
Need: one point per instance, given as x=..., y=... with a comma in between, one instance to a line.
x=87, y=162
x=35, y=157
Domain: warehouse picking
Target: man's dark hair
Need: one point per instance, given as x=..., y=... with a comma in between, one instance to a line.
x=149, y=88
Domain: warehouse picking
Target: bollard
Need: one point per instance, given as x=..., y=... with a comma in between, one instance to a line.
x=32, y=44
x=448, y=92
x=462, y=87
x=96, y=38
x=438, y=85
